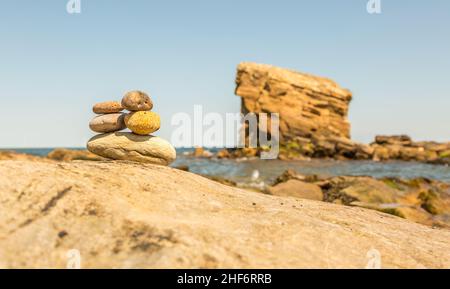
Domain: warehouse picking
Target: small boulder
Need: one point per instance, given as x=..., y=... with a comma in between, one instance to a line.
x=132, y=147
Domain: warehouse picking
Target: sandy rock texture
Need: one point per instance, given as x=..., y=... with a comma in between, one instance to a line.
x=124, y=214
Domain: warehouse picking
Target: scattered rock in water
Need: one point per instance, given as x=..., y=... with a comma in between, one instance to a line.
x=108, y=123
x=143, y=122
x=132, y=147
x=107, y=107
x=137, y=101
x=200, y=152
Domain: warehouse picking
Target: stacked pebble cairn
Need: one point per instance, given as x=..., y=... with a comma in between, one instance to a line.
x=138, y=145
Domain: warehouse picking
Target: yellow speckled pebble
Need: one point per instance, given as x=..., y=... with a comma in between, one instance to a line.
x=143, y=122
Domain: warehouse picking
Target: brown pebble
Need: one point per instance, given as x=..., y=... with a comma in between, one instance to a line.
x=137, y=101
x=107, y=107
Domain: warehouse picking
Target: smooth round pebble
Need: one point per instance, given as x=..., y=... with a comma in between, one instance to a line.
x=137, y=101
x=108, y=123
x=143, y=122
x=107, y=107
x=132, y=147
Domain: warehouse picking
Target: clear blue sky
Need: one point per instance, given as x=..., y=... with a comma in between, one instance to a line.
x=54, y=66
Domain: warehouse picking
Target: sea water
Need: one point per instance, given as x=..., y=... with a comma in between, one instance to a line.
x=268, y=170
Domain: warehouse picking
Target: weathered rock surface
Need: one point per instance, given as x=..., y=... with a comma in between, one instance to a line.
x=143, y=122
x=129, y=215
x=298, y=189
x=67, y=155
x=12, y=155
x=108, y=123
x=132, y=147
x=308, y=105
x=107, y=107
x=137, y=101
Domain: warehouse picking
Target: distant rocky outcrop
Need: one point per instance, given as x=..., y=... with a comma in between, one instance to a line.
x=120, y=214
x=313, y=119
x=309, y=106
x=402, y=147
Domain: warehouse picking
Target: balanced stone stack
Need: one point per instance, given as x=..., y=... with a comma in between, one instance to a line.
x=138, y=145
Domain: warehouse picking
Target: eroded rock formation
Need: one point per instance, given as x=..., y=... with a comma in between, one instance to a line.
x=309, y=106
x=313, y=118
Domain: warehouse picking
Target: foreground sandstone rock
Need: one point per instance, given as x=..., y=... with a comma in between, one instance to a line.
x=121, y=214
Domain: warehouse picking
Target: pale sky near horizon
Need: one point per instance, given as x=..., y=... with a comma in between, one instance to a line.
x=54, y=66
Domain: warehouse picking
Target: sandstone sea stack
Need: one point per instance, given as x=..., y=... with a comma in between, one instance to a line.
x=308, y=105
x=137, y=145
x=313, y=119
